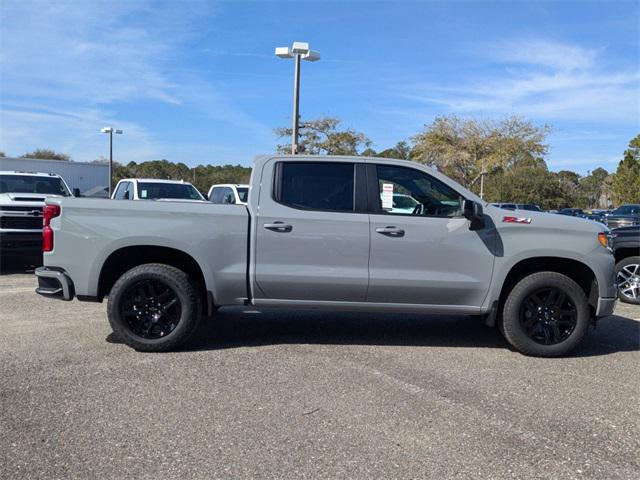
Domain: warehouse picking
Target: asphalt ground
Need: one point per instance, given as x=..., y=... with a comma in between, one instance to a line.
x=310, y=395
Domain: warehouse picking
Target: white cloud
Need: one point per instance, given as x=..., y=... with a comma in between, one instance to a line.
x=68, y=67
x=552, y=81
x=77, y=51
x=547, y=53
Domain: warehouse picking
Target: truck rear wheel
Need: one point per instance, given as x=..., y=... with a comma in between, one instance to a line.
x=546, y=314
x=154, y=307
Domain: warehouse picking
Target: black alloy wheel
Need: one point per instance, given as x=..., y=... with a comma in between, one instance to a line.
x=545, y=314
x=154, y=307
x=151, y=308
x=548, y=316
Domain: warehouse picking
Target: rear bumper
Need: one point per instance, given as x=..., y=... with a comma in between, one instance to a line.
x=54, y=284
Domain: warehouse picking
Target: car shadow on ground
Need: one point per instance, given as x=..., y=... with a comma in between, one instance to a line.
x=236, y=327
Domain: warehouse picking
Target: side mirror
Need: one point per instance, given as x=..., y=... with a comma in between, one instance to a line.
x=472, y=211
x=76, y=192
x=126, y=195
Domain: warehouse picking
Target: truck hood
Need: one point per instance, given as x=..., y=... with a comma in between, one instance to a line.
x=527, y=219
x=25, y=198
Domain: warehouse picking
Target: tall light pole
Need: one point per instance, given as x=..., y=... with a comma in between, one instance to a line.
x=298, y=51
x=111, y=131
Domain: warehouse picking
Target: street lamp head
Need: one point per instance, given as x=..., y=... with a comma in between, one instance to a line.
x=300, y=47
x=311, y=56
x=111, y=130
x=283, y=52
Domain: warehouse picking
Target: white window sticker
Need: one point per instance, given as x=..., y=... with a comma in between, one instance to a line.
x=143, y=194
x=387, y=196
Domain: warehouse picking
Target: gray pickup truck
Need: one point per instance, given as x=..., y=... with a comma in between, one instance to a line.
x=323, y=233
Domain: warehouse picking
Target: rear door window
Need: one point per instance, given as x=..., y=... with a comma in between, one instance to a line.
x=325, y=186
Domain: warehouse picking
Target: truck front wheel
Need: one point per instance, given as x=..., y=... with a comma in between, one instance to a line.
x=546, y=314
x=154, y=307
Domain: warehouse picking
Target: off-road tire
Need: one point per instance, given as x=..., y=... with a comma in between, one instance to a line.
x=180, y=283
x=515, y=333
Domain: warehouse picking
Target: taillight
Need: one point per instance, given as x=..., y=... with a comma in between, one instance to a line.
x=49, y=212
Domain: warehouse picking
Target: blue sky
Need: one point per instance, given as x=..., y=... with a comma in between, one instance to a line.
x=197, y=81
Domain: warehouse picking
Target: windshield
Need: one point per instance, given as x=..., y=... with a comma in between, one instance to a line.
x=243, y=193
x=33, y=184
x=627, y=210
x=184, y=191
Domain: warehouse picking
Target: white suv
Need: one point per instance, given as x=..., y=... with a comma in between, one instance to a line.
x=229, y=193
x=154, y=189
x=22, y=196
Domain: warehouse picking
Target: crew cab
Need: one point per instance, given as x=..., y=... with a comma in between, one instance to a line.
x=315, y=234
x=22, y=196
x=154, y=189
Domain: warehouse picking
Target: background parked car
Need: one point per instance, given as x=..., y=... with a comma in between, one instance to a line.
x=572, y=212
x=595, y=215
x=154, y=189
x=532, y=207
x=402, y=203
x=229, y=193
x=506, y=206
x=626, y=247
x=623, y=216
x=22, y=197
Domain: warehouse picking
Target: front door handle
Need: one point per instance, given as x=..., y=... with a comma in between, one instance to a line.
x=391, y=231
x=278, y=227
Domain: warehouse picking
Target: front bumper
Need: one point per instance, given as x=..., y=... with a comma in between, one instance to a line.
x=54, y=283
x=605, y=307
x=19, y=243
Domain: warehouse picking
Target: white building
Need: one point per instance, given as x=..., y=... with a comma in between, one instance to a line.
x=84, y=176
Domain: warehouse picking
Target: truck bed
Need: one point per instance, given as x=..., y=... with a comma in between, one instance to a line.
x=88, y=232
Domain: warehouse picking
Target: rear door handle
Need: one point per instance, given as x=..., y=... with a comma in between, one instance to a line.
x=278, y=227
x=391, y=231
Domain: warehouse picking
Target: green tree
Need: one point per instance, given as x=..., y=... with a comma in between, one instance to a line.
x=323, y=137
x=626, y=181
x=463, y=147
x=2, y=154
x=591, y=188
x=202, y=176
x=569, y=183
x=46, y=154
x=531, y=182
x=402, y=151
x=368, y=152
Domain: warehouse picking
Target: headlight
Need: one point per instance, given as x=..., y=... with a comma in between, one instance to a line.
x=604, y=238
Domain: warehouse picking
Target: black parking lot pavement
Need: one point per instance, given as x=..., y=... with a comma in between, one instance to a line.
x=310, y=395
